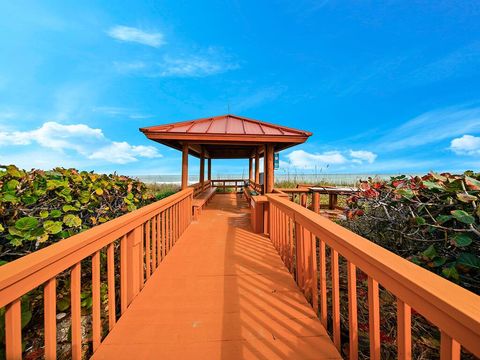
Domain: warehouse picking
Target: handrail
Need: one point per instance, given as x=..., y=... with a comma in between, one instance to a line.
x=146, y=235
x=456, y=311
x=223, y=184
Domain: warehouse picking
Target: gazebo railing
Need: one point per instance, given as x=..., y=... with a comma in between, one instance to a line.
x=139, y=241
x=228, y=185
x=299, y=235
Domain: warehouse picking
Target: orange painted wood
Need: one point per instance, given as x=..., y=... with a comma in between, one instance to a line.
x=373, y=318
x=164, y=233
x=235, y=301
x=314, y=274
x=250, y=168
x=112, y=317
x=291, y=226
x=154, y=243
x=335, y=298
x=352, y=311
x=158, y=239
x=75, y=308
x=20, y=276
x=307, y=261
x=202, y=166
x=323, y=283
x=123, y=274
x=50, y=318
x=299, y=254
x=446, y=305
x=316, y=202
x=449, y=348
x=303, y=200
x=184, y=166
x=96, y=311
x=404, y=333
x=148, y=247
x=257, y=166
x=13, y=330
x=209, y=169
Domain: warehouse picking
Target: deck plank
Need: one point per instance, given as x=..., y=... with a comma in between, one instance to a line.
x=221, y=293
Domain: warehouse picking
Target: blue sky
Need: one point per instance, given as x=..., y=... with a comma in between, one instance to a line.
x=385, y=87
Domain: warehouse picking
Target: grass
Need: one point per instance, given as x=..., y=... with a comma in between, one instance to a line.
x=161, y=191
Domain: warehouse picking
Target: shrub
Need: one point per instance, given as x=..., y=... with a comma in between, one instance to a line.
x=432, y=220
x=38, y=208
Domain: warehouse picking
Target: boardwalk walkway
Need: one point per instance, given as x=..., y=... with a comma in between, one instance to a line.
x=221, y=293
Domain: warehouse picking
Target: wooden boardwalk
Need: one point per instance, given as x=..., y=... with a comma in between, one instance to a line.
x=221, y=293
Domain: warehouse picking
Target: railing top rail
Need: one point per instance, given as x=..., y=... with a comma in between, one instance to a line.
x=24, y=272
x=293, y=190
x=452, y=308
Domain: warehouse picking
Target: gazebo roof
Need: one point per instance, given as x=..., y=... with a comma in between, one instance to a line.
x=225, y=136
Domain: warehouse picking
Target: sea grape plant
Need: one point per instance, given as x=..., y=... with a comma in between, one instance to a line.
x=433, y=220
x=39, y=207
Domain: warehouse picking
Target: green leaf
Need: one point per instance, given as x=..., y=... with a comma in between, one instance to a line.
x=67, y=208
x=466, y=198
x=2, y=229
x=420, y=221
x=430, y=252
x=99, y=191
x=469, y=260
x=450, y=273
x=472, y=183
x=55, y=213
x=29, y=200
x=462, y=240
x=44, y=214
x=439, y=261
x=407, y=193
x=26, y=223
x=443, y=218
x=10, y=198
x=13, y=171
x=12, y=184
x=52, y=227
x=72, y=220
x=433, y=185
x=63, y=304
x=463, y=216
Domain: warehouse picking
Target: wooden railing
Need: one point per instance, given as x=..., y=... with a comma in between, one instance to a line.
x=198, y=188
x=299, y=235
x=140, y=240
x=231, y=184
x=257, y=187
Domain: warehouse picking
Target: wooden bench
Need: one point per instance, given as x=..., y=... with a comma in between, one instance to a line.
x=248, y=192
x=201, y=200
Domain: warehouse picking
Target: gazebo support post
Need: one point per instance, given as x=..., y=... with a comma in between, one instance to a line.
x=257, y=166
x=250, y=169
x=209, y=169
x=184, y=166
x=269, y=174
x=202, y=167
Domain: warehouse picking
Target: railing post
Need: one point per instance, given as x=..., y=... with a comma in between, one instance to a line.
x=134, y=263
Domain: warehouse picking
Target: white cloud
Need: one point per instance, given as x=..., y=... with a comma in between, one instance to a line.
x=304, y=160
x=86, y=141
x=193, y=66
x=363, y=155
x=131, y=34
x=466, y=145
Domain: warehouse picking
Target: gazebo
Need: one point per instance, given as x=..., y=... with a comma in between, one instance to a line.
x=228, y=137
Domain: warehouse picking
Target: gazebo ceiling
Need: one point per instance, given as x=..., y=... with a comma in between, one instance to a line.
x=226, y=136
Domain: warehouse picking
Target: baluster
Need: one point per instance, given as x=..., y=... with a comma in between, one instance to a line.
x=299, y=254
x=352, y=310
x=373, y=318
x=75, y=305
x=335, y=298
x=313, y=240
x=154, y=244
x=164, y=233
x=50, y=318
x=449, y=348
x=112, y=318
x=323, y=284
x=13, y=330
x=148, y=258
x=123, y=274
x=158, y=239
x=404, y=323
x=292, y=247
x=96, y=315
x=307, y=261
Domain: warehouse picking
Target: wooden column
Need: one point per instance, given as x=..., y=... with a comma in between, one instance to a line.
x=209, y=169
x=265, y=169
x=269, y=173
x=257, y=166
x=202, y=166
x=250, y=169
x=184, y=166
